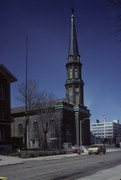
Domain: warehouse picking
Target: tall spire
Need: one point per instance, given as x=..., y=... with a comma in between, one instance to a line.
x=73, y=45
x=74, y=83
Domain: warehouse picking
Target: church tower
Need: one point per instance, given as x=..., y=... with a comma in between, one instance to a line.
x=74, y=89
x=74, y=83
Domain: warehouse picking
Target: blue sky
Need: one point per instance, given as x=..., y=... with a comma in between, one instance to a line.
x=47, y=23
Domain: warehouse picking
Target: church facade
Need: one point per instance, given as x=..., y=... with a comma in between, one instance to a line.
x=70, y=119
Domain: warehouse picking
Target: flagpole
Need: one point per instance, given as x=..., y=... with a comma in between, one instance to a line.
x=26, y=95
x=26, y=70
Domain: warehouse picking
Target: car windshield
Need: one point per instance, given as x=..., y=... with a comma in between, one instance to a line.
x=94, y=146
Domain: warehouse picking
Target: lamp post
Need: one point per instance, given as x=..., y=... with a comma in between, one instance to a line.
x=81, y=122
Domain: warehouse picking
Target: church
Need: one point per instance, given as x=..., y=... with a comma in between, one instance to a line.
x=70, y=120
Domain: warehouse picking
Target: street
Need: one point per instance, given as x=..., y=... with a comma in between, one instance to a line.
x=78, y=167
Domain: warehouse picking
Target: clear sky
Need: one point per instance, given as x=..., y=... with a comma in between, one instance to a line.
x=47, y=23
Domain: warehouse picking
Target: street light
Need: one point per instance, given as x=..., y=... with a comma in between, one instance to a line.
x=81, y=121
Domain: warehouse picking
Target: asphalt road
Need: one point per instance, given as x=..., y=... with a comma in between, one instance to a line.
x=60, y=169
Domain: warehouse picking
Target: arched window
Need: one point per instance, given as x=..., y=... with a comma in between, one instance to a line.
x=76, y=72
x=20, y=129
x=70, y=73
x=35, y=130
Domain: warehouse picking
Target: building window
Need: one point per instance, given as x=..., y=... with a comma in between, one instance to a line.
x=20, y=130
x=70, y=94
x=35, y=130
x=76, y=72
x=76, y=89
x=53, y=129
x=70, y=73
x=70, y=58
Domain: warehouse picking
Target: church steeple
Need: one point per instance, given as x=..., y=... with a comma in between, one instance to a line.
x=73, y=46
x=74, y=83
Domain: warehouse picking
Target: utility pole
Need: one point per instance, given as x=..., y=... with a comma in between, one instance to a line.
x=26, y=95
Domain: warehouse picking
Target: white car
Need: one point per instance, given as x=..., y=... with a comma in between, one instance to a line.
x=3, y=178
x=97, y=149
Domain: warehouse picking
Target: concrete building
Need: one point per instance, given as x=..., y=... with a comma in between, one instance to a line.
x=67, y=112
x=107, y=130
x=6, y=78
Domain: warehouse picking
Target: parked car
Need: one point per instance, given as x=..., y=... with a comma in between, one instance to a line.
x=97, y=149
x=73, y=149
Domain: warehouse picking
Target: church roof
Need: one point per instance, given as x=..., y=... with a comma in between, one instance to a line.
x=73, y=45
x=6, y=74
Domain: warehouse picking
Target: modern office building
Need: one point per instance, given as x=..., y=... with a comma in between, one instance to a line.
x=106, y=130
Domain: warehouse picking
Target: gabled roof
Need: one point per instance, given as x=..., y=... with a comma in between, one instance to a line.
x=6, y=74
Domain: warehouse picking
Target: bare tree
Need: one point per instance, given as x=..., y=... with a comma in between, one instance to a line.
x=41, y=102
x=28, y=94
x=45, y=106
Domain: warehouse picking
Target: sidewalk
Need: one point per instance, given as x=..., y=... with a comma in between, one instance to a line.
x=7, y=160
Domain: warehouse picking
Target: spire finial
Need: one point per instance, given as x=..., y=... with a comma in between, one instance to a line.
x=73, y=10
